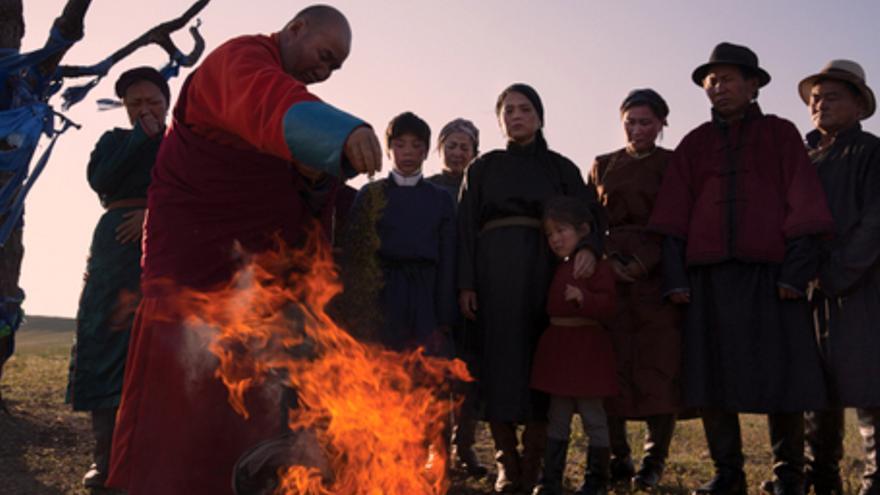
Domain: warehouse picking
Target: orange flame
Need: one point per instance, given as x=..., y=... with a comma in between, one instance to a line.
x=379, y=415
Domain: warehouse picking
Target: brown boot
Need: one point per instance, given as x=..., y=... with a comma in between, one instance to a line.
x=506, y=457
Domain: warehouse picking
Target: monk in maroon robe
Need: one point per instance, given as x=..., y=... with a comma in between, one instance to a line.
x=222, y=185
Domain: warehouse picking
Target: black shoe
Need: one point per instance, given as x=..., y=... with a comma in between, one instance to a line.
x=94, y=478
x=550, y=482
x=466, y=461
x=622, y=470
x=598, y=472
x=821, y=485
x=725, y=484
x=870, y=487
x=648, y=477
x=779, y=487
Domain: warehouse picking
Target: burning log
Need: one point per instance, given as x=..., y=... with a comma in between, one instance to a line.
x=259, y=470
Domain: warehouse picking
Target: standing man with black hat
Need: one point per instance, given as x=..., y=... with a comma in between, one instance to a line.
x=741, y=207
x=846, y=299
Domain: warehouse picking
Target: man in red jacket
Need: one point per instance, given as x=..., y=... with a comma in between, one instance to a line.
x=741, y=207
x=224, y=183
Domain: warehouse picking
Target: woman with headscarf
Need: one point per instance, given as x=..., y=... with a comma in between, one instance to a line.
x=505, y=269
x=458, y=144
x=645, y=331
x=119, y=172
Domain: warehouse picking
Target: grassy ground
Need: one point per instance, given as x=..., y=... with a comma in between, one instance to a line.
x=45, y=447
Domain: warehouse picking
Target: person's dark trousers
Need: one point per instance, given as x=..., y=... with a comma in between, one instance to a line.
x=869, y=427
x=824, y=450
x=787, y=443
x=506, y=456
x=622, y=468
x=103, y=421
x=725, y=446
x=657, y=440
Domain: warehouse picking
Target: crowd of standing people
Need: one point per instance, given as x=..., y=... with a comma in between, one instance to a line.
x=739, y=273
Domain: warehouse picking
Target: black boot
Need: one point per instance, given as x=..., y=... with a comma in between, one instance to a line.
x=462, y=451
x=787, y=443
x=554, y=468
x=598, y=472
x=659, y=436
x=869, y=426
x=725, y=483
x=725, y=446
x=534, y=440
x=103, y=421
x=823, y=433
x=622, y=469
x=506, y=457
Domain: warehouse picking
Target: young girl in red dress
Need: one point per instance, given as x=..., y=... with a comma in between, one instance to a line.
x=574, y=361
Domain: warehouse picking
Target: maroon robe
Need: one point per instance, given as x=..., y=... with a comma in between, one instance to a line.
x=777, y=194
x=221, y=186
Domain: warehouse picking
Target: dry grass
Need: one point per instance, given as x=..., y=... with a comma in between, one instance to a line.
x=45, y=447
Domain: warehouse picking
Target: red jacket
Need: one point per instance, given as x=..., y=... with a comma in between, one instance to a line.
x=741, y=191
x=578, y=361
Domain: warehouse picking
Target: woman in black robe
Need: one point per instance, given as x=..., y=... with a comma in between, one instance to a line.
x=505, y=269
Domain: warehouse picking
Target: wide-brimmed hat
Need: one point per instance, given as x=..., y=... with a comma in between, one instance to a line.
x=841, y=70
x=729, y=54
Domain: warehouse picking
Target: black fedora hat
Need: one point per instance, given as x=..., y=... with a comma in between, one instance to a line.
x=729, y=54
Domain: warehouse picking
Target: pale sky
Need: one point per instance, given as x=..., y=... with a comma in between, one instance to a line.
x=450, y=59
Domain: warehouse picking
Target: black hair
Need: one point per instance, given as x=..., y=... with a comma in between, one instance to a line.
x=408, y=123
x=525, y=90
x=568, y=209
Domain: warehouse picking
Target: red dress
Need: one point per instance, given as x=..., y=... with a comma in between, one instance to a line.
x=578, y=361
x=223, y=180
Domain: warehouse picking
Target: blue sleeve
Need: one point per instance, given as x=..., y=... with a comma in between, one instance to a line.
x=315, y=133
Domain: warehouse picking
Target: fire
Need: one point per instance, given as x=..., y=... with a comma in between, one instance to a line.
x=378, y=415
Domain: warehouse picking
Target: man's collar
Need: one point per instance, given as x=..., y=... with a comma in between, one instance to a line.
x=753, y=111
x=814, y=137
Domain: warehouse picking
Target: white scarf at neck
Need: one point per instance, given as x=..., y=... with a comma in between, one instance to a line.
x=406, y=180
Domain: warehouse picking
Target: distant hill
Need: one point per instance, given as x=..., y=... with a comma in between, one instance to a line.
x=45, y=334
x=48, y=323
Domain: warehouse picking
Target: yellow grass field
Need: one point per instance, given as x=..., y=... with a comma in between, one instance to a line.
x=45, y=447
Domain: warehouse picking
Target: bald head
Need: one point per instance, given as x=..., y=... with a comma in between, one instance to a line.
x=323, y=16
x=315, y=43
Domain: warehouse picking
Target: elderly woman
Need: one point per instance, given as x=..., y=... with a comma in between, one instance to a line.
x=505, y=269
x=458, y=144
x=645, y=331
x=119, y=172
